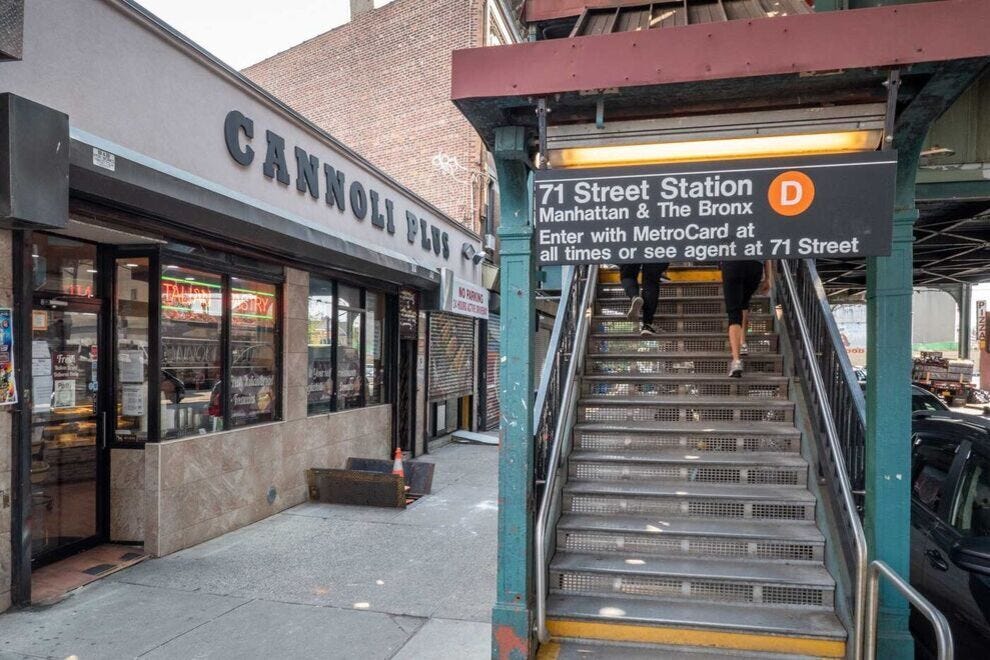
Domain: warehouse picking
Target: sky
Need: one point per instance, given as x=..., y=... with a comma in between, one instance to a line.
x=242, y=32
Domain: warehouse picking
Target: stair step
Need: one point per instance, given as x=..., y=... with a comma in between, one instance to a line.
x=667, y=290
x=678, y=363
x=677, y=342
x=674, y=465
x=719, y=580
x=679, y=537
x=757, y=386
x=678, y=306
x=696, y=500
x=711, y=436
x=685, y=409
x=572, y=649
x=724, y=625
x=673, y=323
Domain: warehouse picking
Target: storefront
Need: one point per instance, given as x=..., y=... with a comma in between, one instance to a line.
x=208, y=295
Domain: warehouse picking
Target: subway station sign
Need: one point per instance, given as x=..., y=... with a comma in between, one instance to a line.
x=814, y=206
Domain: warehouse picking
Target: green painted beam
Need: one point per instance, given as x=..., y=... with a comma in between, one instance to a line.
x=952, y=190
x=512, y=616
x=888, y=338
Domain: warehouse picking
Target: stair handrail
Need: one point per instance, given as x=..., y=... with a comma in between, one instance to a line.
x=943, y=633
x=840, y=472
x=566, y=412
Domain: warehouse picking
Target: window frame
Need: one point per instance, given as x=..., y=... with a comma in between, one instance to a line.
x=971, y=456
x=390, y=315
x=166, y=256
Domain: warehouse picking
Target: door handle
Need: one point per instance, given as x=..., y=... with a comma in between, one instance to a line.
x=103, y=431
x=936, y=560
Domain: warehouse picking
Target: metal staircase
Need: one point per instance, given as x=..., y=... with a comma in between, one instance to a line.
x=683, y=524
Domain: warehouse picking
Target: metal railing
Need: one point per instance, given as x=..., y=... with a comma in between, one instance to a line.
x=943, y=634
x=555, y=412
x=843, y=390
x=813, y=345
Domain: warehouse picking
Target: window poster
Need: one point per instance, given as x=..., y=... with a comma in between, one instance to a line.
x=8, y=387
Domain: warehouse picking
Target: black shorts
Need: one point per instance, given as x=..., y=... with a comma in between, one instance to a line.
x=740, y=280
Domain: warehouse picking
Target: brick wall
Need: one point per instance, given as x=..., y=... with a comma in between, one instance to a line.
x=381, y=85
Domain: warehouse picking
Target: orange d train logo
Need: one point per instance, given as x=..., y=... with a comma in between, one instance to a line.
x=791, y=193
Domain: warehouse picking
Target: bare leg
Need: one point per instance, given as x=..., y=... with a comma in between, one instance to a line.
x=735, y=339
x=745, y=325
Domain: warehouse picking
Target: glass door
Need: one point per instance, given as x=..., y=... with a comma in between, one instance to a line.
x=66, y=427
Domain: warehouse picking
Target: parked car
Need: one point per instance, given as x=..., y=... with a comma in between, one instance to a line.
x=922, y=399
x=950, y=526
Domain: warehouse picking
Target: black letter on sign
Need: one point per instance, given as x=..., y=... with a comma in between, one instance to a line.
x=377, y=219
x=411, y=227
x=359, y=201
x=335, y=187
x=232, y=126
x=425, y=239
x=436, y=240
x=389, y=216
x=276, y=158
x=307, y=173
x=446, y=246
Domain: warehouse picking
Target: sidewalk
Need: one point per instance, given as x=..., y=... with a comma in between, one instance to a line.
x=318, y=580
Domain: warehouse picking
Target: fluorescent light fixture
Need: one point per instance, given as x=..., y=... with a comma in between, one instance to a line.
x=805, y=144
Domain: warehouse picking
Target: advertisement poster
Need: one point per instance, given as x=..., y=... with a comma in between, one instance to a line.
x=8, y=388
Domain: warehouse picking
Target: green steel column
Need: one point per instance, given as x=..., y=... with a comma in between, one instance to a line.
x=512, y=617
x=888, y=411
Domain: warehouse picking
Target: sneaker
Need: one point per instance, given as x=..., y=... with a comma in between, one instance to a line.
x=744, y=349
x=735, y=369
x=634, y=308
x=648, y=331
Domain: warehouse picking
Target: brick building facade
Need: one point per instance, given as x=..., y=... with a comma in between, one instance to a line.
x=381, y=84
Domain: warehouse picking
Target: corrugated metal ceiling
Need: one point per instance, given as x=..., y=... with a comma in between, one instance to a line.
x=676, y=13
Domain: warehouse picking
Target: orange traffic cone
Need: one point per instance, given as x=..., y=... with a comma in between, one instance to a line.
x=397, y=464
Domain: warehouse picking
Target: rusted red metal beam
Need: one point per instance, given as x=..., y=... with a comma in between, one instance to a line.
x=862, y=38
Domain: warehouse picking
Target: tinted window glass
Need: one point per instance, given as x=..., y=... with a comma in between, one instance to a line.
x=972, y=510
x=931, y=460
x=64, y=266
x=192, y=317
x=253, y=364
x=319, y=383
x=350, y=319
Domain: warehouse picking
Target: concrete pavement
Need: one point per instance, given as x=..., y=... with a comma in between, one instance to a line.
x=317, y=580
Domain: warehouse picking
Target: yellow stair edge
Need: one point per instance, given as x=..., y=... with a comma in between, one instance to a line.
x=673, y=274
x=673, y=636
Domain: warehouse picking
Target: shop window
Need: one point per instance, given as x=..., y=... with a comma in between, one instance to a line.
x=346, y=346
x=253, y=348
x=213, y=323
x=350, y=324
x=374, y=365
x=131, y=348
x=63, y=266
x=192, y=328
x=319, y=383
